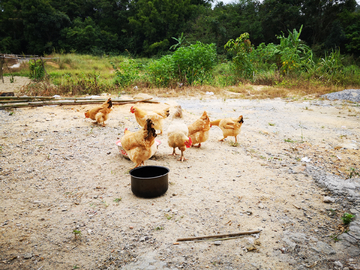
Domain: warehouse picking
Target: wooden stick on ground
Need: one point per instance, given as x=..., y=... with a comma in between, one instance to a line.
x=60, y=102
x=216, y=236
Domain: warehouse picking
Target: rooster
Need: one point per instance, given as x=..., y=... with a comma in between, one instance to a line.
x=229, y=126
x=100, y=113
x=140, y=145
x=157, y=117
x=178, y=134
x=199, y=130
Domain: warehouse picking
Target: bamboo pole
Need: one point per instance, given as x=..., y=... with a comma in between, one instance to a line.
x=61, y=102
x=216, y=236
x=24, y=97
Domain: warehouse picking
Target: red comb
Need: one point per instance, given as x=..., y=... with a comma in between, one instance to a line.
x=189, y=143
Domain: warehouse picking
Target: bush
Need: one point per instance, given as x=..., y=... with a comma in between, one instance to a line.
x=191, y=65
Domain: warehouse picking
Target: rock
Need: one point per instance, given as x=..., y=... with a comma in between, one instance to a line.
x=28, y=256
x=324, y=248
x=328, y=199
x=338, y=264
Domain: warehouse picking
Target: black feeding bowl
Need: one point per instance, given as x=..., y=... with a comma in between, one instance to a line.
x=149, y=181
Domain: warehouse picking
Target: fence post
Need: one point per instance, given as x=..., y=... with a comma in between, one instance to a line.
x=2, y=60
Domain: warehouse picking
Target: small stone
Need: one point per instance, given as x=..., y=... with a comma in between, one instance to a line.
x=328, y=199
x=28, y=255
x=176, y=243
x=251, y=248
x=131, y=227
x=217, y=243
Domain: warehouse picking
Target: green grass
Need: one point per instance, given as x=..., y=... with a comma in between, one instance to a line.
x=75, y=74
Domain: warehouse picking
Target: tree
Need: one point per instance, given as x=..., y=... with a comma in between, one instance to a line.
x=156, y=22
x=278, y=17
x=87, y=37
x=41, y=25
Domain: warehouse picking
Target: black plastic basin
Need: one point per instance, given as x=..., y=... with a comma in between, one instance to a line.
x=149, y=181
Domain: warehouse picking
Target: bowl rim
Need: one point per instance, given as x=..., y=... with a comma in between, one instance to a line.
x=148, y=178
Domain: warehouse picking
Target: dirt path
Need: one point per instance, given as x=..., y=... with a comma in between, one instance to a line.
x=59, y=173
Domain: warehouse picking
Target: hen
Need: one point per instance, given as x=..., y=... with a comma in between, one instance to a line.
x=199, y=130
x=100, y=113
x=157, y=117
x=229, y=126
x=178, y=134
x=140, y=145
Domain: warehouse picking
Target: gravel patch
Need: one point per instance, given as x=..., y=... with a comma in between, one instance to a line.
x=352, y=95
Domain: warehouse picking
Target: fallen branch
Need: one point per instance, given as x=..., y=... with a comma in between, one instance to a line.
x=217, y=236
x=69, y=101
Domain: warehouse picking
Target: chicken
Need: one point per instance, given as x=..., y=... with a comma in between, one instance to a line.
x=100, y=113
x=178, y=134
x=157, y=117
x=229, y=126
x=199, y=130
x=140, y=145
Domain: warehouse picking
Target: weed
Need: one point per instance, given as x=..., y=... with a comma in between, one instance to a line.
x=335, y=237
x=347, y=218
x=353, y=173
x=168, y=216
x=105, y=203
x=159, y=228
x=289, y=140
x=332, y=212
x=271, y=124
x=234, y=144
x=117, y=200
x=77, y=233
x=11, y=113
x=76, y=266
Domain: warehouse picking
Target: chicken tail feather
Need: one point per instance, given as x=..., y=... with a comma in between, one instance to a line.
x=215, y=122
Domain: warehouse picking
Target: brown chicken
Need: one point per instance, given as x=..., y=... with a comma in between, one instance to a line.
x=140, y=145
x=199, y=130
x=178, y=134
x=157, y=117
x=100, y=113
x=229, y=126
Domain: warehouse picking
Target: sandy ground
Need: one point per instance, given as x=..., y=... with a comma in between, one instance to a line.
x=8, y=86
x=60, y=172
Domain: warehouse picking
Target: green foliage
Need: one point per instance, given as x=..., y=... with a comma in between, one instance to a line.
x=87, y=37
x=127, y=74
x=347, y=218
x=117, y=200
x=76, y=233
x=180, y=42
x=241, y=49
x=353, y=173
x=161, y=72
x=37, y=70
x=193, y=64
x=190, y=65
